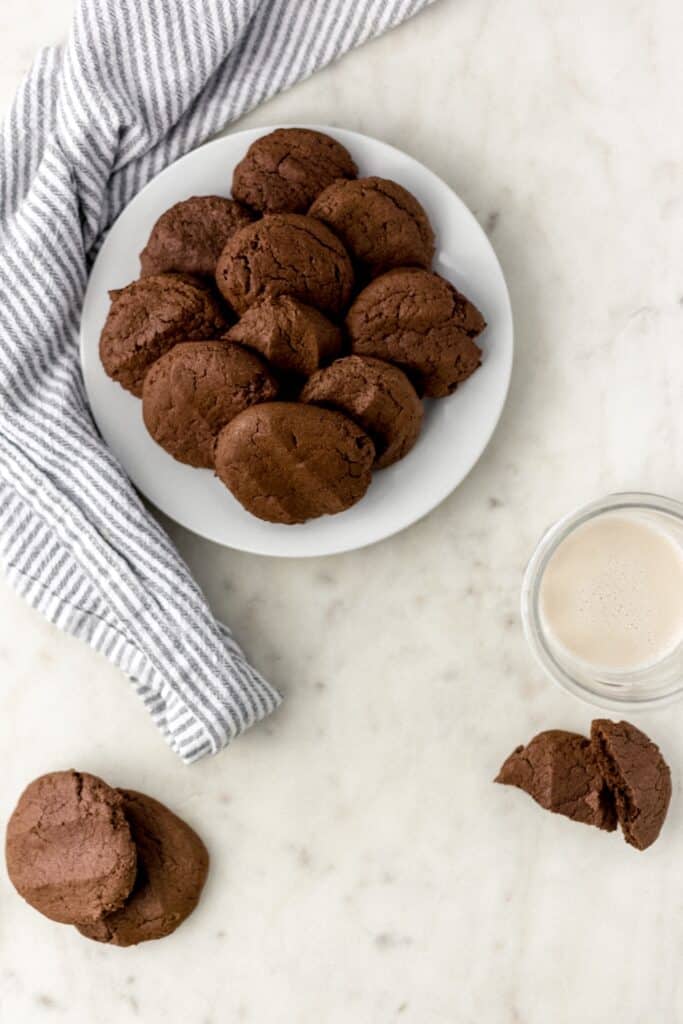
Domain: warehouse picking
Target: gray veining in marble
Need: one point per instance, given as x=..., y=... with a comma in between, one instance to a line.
x=365, y=869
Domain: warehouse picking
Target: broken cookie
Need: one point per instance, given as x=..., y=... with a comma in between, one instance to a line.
x=618, y=776
x=638, y=776
x=558, y=769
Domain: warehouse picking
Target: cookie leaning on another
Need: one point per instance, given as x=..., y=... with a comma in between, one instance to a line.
x=286, y=169
x=190, y=236
x=381, y=224
x=194, y=390
x=117, y=864
x=148, y=317
x=287, y=463
x=68, y=847
x=559, y=770
x=172, y=868
x=375, y=395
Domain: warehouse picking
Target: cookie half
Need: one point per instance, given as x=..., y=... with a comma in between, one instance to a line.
x=69, y=849
x=172, y=868
x=195, y=389
x=148, y=317
x=190, y=236
x=286, y=462
x=419, y=321
x=285, y=170
x=285, y=254
x=559, y=770
x=638, y=776
x=381, y=224
x=375, y=395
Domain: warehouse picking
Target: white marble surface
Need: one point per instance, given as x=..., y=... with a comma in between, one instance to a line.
x=365, y=869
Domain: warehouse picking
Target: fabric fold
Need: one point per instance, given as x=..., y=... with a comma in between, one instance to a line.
x=138, y=84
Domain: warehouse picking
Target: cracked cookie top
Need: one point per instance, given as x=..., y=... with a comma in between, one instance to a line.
x=69, y=849
x=172, y=868
x=418, y=320
x=285, y=170
x=558, y=769
x=293, y=337
x=638, y=776
x=375, y=395
x=148, y=317
x=286, y=462
x=381, y=224
x=195, y=389
x=190, y=236
x=285, y=254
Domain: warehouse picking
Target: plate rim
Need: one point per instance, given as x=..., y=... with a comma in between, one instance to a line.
x=381, y=533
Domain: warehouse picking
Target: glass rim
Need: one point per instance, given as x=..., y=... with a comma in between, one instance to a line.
x=531, y=622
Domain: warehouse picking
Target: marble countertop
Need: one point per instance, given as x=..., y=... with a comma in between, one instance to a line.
x=365, y=869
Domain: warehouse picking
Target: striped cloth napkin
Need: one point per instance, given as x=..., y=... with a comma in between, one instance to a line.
x=139, y=83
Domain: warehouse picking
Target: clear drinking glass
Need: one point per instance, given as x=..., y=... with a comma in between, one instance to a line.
x=652, y=686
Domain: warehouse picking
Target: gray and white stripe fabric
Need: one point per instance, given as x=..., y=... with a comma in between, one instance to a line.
x=139, y=83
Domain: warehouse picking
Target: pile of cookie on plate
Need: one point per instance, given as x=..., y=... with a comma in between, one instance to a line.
x=286, y=337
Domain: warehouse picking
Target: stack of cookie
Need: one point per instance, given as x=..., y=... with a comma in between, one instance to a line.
x=115, y=863
x=286, y=337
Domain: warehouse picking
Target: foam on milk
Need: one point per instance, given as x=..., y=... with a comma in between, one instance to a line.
x=612, y=592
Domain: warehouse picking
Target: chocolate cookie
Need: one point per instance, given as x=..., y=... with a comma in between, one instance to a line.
x=285, y=254
x=148, y=317
x=293, y=337
x=418, y=320
x=287, y=463
x=381, y=224
x=190, y=236
x=558, y=769
x=172, y=868
x=285, y=170
x=69, y=849
x=195, y=389
x=638, y=776
x=375, y=395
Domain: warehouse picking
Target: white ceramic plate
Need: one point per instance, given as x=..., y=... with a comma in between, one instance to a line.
x=456, y=429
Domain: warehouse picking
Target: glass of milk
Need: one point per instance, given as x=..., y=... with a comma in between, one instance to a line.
x=602, y=601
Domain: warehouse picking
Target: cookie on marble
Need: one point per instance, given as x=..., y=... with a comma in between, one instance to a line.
x=381, y=224
x=375, y=395
x=149, y=317
x=558, y=769
x=172, y=868
x=285, y=254
x=284, y=171
x=69, y=848
x=190, y=236
x=287, y=463
x=638, y=777
x=419, y=321
x=195, y=389
x=295, y=338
